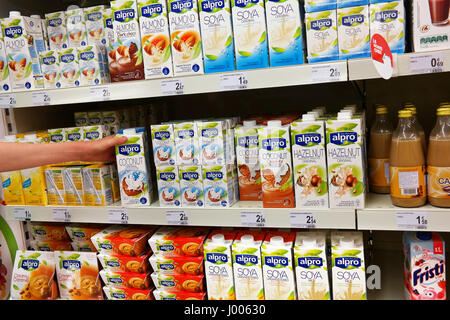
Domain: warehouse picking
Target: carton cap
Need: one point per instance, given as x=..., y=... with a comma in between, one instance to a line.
x=248, y=238
x=218, y=238
x=277, y=240
x=344, y=115
x=274, y=123
x=14, y=14
x=249, y=123
x=347, y=242
x=308, y=117
x=309, y=241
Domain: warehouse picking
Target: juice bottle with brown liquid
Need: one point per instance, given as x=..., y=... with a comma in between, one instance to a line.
x=423, y=139
x=379, y=152
x=438, y=160
x=407, y=164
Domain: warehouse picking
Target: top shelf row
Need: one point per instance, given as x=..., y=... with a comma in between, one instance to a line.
x=336, y=71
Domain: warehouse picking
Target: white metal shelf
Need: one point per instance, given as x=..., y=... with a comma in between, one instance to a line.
x=228, y=217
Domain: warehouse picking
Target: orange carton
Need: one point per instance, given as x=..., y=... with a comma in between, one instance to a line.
x=178, y=265
x=178, y=282
x=123, y=293
x=178, y=295
x=49, y=231
x=126, y=279
x=117, y=262
x=50, y=245
x=78, y=232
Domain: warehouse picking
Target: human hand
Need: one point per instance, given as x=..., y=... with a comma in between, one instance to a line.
x=102, y=150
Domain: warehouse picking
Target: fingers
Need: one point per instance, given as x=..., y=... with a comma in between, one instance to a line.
x=112, y=141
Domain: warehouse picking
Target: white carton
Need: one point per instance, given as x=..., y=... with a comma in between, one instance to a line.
x=108, y=25
x=81, y=118
x=50, y=69
x=5, y=85
x=92, y=67
x=76, y=28
x=74, y=134
x=33, y=25
x=278, y=270
x=219, y=186
x=322, y=36
x=185, y=37
x=212, y=142
x=191, y=186
x=155, y=39
x=57, y=135
x=309, y=162
x=348, y=267
x=320, y=5
x=95, y=26
x=134, y=168
x=56, y=30
x=186, y=143
x=94, y=118
x=311, y=268
x=92, y=133
x=163, y=145
x=168, y=186
x=111, y=119
x=68, y=68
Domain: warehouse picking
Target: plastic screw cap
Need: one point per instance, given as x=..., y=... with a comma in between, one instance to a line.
x=308, y=117
x=274, y=123
x=344, y=115
x=218, y=238
x=277, y=240
x=15, y=14
x=248, y=238
x=249, y=123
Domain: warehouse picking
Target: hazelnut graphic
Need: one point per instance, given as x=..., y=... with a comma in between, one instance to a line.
x=351, y=180
x=316, y=181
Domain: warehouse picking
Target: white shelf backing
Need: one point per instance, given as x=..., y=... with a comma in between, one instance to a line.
x=229, y=217
x=381, y=214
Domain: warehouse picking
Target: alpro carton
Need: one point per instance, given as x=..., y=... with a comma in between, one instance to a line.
x=320, y=5
x=178, y=295
x=50, y=69
x=5, y=85
x=127, y=63
x=311, y=267
x=95, y=28
x=309, y=162
x=212, y=142
x=219, y=186
x=81, y=119
x=133, y=166
x=354, y=32
x=345, y=159
x=76, y=28
x=74, y=134
x=94, y=118
x=57, y=135
x=111, y=119
x=163, y=144
x=119, y=262
x=322, y=36
x=108, y=25
x=156, y=48
x=97, y=185
x=168, y=186
x=177, y=265
x=126, y=279
x=186, y=143
x=68, y=68
x=278, y=266
x=73, y=185
x=284, y=27
x=185, y=37
x=55, y=186
x=250, y=36
x=219, y=264
x=92, y=133
x=12, y=187
x=388, y=20
x=348, y=266
x=33, y=25
x=123, y=293
x=351, y=3
x=91, y=64
x=191, y=186
x=247, y=265
x=217, y=35
x=56, y=30
x=178, y=282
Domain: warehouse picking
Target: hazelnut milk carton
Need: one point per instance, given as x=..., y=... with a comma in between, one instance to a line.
x=247, y=265
x=191, y=186
x=50, y=69
x=76, y=28
x=95, y=28
x=134, y=168
x=219, y=186
x=186, y=143
x=311, y=268
x=56, y=30
x=163, y=142
x=322, y=35
x=348, y=267
x=68, y=68
x=168, y=186
x=185, y=37
x=309, y=162
x=278, y=270
x=5, y=85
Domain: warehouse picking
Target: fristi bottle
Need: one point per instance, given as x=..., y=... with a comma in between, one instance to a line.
x=407, y=164
x=423, y=139
x=438, y=160
x=379, y=152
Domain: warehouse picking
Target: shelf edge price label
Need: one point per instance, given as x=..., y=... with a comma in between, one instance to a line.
x=118, y=216
x=407, y=220
x=306, y=220
x=177, y=217
x=233, y=81
x=7, y=100
x=253, y=219
x=40, y=98
x=172, y=87
x=329, y=72
x=100, y=93
x=22, y=214
x=62, y=215
x=426, y=63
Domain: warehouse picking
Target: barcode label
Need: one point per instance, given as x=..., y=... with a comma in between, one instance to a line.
x=409, y=192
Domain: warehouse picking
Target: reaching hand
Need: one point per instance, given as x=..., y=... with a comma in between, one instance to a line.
x=102, y=150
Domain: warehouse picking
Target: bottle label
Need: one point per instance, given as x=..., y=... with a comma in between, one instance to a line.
x=379, y=172
x=438, y=182
x=408, y=182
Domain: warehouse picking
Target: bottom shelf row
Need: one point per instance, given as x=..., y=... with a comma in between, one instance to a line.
x=198, y=263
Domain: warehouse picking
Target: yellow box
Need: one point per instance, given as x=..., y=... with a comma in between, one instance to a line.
x=97, y=185
x=12, y=188
x=34, y=186
x=114, y=182
x=73, y=185
x=55, y=185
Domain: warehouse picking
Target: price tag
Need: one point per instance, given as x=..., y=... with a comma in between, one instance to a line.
x=177, y=217
x=62, y=215
x=22, y=214
x=118, y=216
x=426, y=63
x=100, y=93
x=253, y=219
x=412, y=220
x=329, y=72
x=233, y=81
x=303, y=220
x=172, y=87
x=8, y=100
x=40, y=98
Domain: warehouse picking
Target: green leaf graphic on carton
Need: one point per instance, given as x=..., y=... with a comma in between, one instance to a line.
x=389, y=6
x=322, y=189
x=279, y=252
x=263, y=37
x=278, y=49
x=244, y=53
x=297, y=33
x=229, y=41
x=357, y=189
x=311, y=129
x=197, y=50
x=313, y=253
x=28, y=69
x=260, y=295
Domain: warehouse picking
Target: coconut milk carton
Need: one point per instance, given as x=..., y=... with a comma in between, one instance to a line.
x=185, y=37
x=218, y=186
x=387, y=18
x=322, y=36
x=191, y=186
x=163, y=145
x=320, y=5
x=186, y=143
x=309, y=162
x=68, y=68
x=249, y=27
x=348, y=267
x=247, y=265
x=134, y=168
x=353, y=32
x=156, y=49
x=212, y=142
x=311, y=268
x=50, y=69
x=217, y=35
x=5, y=85
x=168, y=186
x=219, y=264
x=76, y=28
x=345, y=159
x=284, y=27
x=56, y=30
x=424, y=267
x=278, y=270
x=91, y=63
x=95, y=28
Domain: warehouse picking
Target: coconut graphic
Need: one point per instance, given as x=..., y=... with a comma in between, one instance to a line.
x=191, y=195
x=133, y=183
x=215, y=195
x=163, y=154
x=277, y=179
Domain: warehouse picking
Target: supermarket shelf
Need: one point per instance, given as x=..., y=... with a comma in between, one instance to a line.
x=381, y=214
x=155, y=215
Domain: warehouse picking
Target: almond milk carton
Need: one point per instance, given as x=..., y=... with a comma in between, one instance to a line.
x=163, y=144
x=95, y=28
x=76, y=28
x=278, y=270
x=68, y=68
x=56, y=30
x=311, y=268
x=186, y=143
x=218, y=186
x=191, y=186
x=50, y=69
x=168, y=186
x=91, y=65
x=5, y=85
